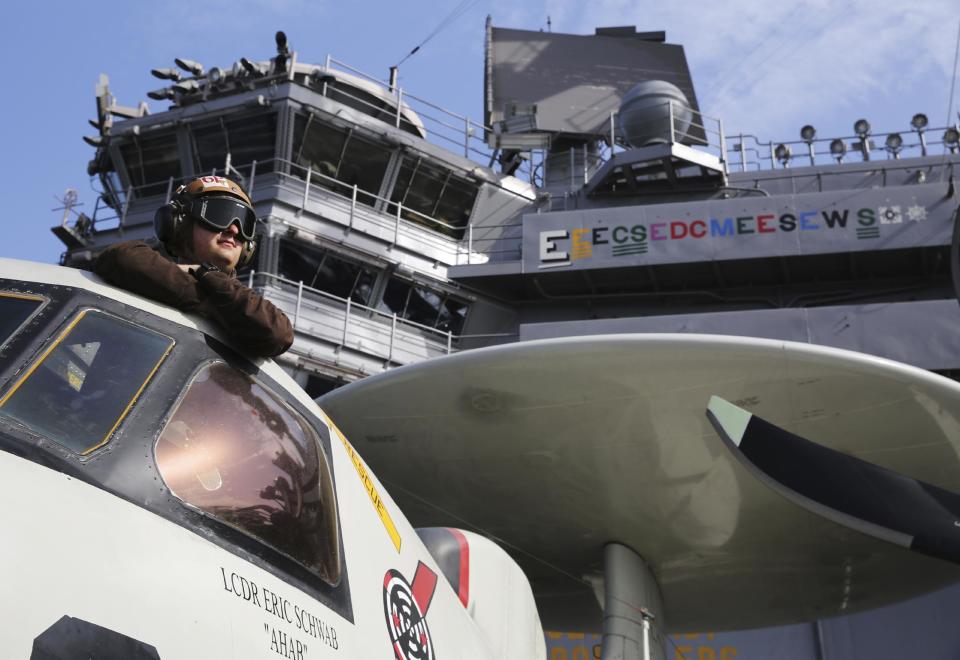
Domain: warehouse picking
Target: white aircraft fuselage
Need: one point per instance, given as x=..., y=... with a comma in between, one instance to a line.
x=169, y=498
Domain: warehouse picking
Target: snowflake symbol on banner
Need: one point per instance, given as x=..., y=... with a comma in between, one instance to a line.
x=916, y=213
x=889, y=215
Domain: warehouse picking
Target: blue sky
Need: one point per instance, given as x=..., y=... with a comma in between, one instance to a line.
x=764, y=68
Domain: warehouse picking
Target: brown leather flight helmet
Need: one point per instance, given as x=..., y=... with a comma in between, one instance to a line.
x=216, y=203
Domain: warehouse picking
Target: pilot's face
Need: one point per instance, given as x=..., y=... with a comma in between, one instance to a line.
x=221, y=248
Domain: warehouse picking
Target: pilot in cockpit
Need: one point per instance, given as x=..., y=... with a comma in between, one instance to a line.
x=208, y=228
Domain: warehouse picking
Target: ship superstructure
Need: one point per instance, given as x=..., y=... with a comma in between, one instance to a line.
x=394, y=231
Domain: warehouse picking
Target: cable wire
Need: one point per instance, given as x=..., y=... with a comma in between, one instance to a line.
x=457, y=12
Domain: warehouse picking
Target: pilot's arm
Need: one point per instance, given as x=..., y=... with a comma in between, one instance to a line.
x=136, y=267
x=254, y=323
x=255, y=326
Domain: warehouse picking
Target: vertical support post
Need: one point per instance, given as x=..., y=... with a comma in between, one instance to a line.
x=399, y=105
x=169, y=189
x=469, y=241
x=449, y=342
x=743, y=155
x=296, y=312
x=573, y=163
x=306, y=188
x=250, y=279
x=353, y=204
x=126, y=205
x=812, y=153
x=631, y=601
x=670, y=105
x=584, y=165
x=773, y=157
x=723, y=144
x=396, y=226
x=923, y=144
x=346, y=323
x=253, y=178
x=466, y=137
x=393, y=332
x=613, y=132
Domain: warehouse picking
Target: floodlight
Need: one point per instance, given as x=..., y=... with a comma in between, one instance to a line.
x=951, y=138
x=808, y=133
x=894, y=144
x=862, y=128
x=251, y=68
x=166, y=74
x=187, y=86
x=161, y=94
x=190, y=66
x=838, y=148
x=919, y=121
x=281, y=38
x=95, y=142
x=215, y=75
x=783, y=154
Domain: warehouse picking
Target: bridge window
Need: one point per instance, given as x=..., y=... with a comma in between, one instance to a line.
x=319, y=269
x=82, y=386
x=341, y=157
x=419, y=304
x=234, y=450
x=247, y=138
x=151, y=160
x=433, y=196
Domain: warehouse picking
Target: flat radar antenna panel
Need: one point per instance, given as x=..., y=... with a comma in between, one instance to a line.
x=575, y=81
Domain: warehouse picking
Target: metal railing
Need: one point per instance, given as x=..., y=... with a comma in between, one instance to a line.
x=443, y=127
x=309, y=184
x=748, y=153
x=395, y=332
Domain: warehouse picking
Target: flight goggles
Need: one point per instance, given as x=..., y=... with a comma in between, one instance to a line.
x=218, y=213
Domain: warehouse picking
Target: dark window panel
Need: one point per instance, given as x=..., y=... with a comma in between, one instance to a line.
x=151, y=160
x=233, y=449
x=327, y=272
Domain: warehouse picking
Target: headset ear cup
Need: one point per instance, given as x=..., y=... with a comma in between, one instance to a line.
x=246, y=254
x=167, y=225
x=162, y=223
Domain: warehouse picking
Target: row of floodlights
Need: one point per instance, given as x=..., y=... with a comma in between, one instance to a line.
x=893, y=144
x=214, y=77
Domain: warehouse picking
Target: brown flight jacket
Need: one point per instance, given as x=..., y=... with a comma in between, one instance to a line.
x=254, y=325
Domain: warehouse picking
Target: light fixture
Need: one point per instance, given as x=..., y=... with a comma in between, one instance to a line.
x=161, y=94
x=894, y=144
x=166, y=74
x=95, y=142
x=215, y=75
x=187, y=86
x=919, y=123
x=838, y=148
x=951, y=138
x=190, y=66
x=783, y=154
x=808, y=134
x=862, y=128
x=251, y=68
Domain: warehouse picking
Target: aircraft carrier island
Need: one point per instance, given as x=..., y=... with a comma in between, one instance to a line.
x=589, y=205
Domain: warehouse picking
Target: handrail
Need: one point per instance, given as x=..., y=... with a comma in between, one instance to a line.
x=820, y=151
x=447, y=336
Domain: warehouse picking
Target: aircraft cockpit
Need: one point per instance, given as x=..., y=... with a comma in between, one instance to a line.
x=83, y=382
